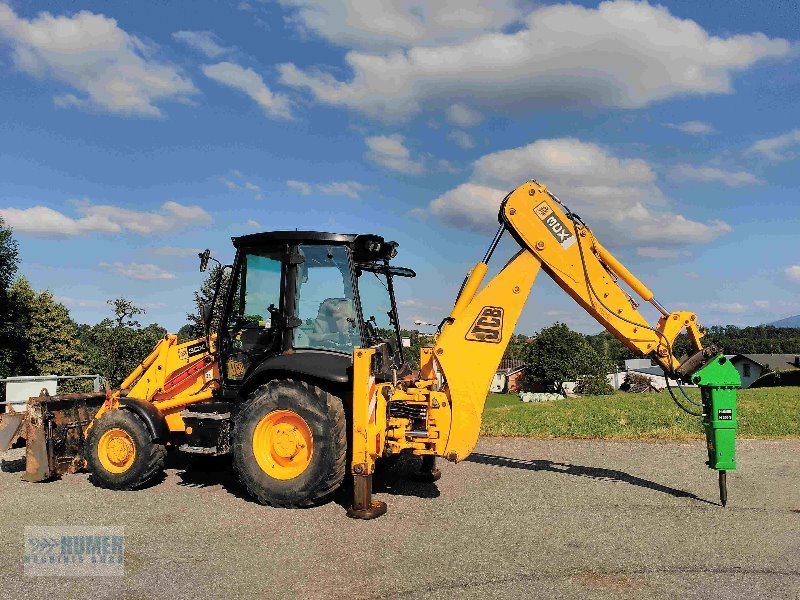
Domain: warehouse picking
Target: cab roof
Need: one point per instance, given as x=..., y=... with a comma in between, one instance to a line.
x=312, y=237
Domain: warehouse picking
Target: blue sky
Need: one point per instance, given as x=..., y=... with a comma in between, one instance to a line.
x=134, y=134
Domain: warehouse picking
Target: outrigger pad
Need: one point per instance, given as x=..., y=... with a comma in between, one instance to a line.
x=364, y=507
x=375, y=510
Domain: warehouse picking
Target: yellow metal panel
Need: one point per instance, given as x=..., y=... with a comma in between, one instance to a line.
x=581, y=267
x=369, y=414
x=470, y=348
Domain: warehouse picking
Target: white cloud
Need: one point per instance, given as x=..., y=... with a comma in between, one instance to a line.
x=463, y=116
x=389, y=151
x=580, y=163
x=446, y=166
x=110, y=69
x=349, y=189
x=242, y=185
x=461, y=139
x=183, y=212
x=206, y=42
x=176, y=251
x=793, y=273
x=777, y=148
x=301, y=187
x=140, y=271
x=654, y=252
x=763, y=304
x=379, y=24
x=71, y=302
x=275, y=106
x=253, y=224
x=693, y=127
x=730, y=308
x=729, y=178
x=412, y=303
x=617, y=196
x=43, y=221
x=621, y=54
x=469, y=206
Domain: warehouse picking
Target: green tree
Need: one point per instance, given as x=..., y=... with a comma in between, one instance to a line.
x=609, y=347
x=49, y=341
x=9, y=335
x=185, y=333
x=418, y=341
x=558, y=354
x=115, y=346
x=206, y=294
x=517, y=347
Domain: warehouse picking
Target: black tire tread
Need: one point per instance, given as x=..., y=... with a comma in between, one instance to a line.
x=339, y=433
x=156, y=461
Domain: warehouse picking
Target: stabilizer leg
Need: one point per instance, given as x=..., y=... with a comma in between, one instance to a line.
x=364, y=507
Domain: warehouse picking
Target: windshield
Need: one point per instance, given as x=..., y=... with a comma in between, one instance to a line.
x=325, y=300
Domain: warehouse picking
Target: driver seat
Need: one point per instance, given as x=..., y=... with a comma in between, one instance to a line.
x=332, y=319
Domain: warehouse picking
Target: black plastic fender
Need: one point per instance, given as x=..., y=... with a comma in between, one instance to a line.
x=147, y=412
x=335, y=367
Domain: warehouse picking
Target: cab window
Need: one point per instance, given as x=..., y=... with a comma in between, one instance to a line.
x=325, y=300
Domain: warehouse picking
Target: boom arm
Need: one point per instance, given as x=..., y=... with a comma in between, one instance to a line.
x=450, y=393
x=559, y=243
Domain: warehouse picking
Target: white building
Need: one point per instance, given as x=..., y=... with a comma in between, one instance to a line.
x=753, y=366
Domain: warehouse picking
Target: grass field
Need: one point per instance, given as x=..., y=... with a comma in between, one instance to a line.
x=772, y=413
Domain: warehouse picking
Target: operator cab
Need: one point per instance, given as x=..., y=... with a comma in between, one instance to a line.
x=301, y=301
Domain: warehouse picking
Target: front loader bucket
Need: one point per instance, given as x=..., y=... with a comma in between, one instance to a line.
x=12, y=427
x=53, y=428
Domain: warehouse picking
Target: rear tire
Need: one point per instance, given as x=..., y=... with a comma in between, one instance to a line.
x=290, y=444
x=121, y=455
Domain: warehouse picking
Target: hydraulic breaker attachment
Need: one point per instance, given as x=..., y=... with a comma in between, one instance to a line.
x=718, y=381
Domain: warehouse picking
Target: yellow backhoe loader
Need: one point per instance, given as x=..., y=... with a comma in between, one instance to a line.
x=304, y=376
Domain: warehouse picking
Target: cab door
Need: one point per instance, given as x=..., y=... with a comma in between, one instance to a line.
x=249, y=334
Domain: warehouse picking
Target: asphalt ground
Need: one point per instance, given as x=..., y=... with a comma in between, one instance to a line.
x=520, y=519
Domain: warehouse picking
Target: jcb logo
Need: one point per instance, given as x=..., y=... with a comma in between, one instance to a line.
x=488, y=327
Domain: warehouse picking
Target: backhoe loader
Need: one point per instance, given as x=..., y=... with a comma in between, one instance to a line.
x=303, y=378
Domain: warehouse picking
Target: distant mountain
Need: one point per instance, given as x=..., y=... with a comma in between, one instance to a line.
x=787, y=322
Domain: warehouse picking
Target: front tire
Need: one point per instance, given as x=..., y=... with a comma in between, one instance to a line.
x=121, y=455
x=290, y=444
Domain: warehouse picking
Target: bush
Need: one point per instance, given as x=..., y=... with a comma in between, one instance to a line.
x=593, y=385
x=636, y=383
x=559, y=354
x=778, y=378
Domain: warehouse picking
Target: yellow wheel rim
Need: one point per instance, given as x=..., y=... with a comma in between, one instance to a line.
x=116, y=450
x=283, y=444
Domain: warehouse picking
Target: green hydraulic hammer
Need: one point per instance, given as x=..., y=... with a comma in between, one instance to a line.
x=718, y=381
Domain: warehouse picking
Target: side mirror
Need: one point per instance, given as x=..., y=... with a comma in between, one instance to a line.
x=207, y=312
x=204, y=256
